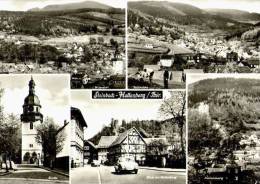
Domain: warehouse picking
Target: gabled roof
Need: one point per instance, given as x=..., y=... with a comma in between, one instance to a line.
x=123, y=136
x=174, y=49
x=76, y=114
x=91, y=144
x=120, y=138
x=106, y=141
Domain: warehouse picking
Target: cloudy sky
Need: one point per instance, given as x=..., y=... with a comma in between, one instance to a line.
x=98, y=113
x=23, y=5
x=191, y=78
x=247, y=5
x=53, y=92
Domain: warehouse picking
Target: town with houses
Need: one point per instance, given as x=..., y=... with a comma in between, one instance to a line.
x=93, y=53
x=131, y=143
x=104, y=59
x=233, y=154
x=188, y=48
x=188, y=111
x=125, y=151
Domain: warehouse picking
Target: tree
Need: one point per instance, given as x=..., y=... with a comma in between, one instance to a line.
x=10, y=136
x=87, y=54
x=52, y=138
x=158, y=149
x=174, y=108
x=201, y=132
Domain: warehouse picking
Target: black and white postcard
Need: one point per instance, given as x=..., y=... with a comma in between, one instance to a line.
x=168, y=39
x=128, y=137
x=223, y=128
x=83, y=38
x=34, y=128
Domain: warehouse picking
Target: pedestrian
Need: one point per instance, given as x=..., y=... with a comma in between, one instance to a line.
x=151, y=77
x=166, y=78
x=183, y=77
x=72, y=163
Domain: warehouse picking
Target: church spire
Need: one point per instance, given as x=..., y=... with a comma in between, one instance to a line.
x=31, y=106
x=31, y=86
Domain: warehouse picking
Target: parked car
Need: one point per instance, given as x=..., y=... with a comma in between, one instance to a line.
x=126, y=164
x=95, y=163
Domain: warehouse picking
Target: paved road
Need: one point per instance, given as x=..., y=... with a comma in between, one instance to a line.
x=106, y=175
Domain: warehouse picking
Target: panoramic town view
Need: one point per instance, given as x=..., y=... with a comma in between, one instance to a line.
x=168, y=39
x=223, y=129
x=83, y=38
x=35, y=129
x=125, y=141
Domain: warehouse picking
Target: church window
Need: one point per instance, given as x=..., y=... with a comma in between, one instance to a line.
x=31, y=145
x=31, y=125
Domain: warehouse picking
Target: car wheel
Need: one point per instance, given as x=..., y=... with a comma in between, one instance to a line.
x=119, y=170
x=136, y=171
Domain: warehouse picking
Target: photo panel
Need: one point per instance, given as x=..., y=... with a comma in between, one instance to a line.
x=223, y=128
x=83, y=38
x=128, y=136
x=169, y=39
x=34, y=128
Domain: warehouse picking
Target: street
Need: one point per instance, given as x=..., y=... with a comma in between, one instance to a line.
x=106, y=175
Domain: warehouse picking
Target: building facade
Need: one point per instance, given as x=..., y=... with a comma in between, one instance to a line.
x=31, y=118
x=90, y=152
x=103, y=147
x=78, y=124
x=129, y=144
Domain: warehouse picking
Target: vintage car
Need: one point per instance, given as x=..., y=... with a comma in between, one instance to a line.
x=126, y=165
x=95, y=163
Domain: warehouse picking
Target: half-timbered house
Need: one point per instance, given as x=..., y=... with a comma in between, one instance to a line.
x=129, y=144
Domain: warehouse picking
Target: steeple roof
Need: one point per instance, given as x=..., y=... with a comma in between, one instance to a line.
x=32, y=106
x=32, y=98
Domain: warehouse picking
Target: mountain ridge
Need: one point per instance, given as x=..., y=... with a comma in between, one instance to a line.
x=72, y=6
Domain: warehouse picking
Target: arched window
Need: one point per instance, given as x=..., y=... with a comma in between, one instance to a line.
x=31, y=125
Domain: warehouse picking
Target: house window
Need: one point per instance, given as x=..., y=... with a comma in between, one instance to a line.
x=31, y=145
x=31, y=125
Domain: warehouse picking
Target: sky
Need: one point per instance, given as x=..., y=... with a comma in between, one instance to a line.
x=192, y=78
x=98, y=113
x=23, y=5
x=53, y=92
x=247, y=5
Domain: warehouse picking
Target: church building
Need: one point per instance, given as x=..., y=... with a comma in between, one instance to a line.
x=31, y=118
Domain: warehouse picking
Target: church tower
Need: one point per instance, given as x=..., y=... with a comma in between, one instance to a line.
x=31, y=118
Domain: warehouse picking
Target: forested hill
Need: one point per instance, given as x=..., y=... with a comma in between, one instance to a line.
x=183, y=14
x=53, y=23
x=204, y=90
x=147, y=128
